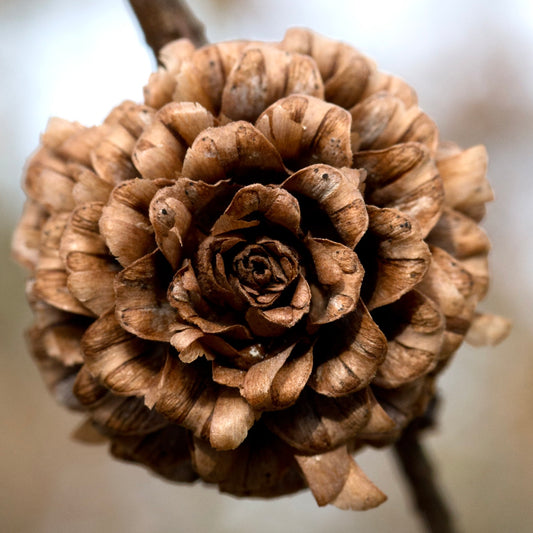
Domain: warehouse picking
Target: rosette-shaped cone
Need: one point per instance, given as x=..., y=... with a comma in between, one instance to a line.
x=257, y=272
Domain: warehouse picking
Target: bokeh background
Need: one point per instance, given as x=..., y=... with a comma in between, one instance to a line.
x=471, y=62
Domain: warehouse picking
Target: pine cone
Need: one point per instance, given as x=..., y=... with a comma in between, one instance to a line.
x=259, y=271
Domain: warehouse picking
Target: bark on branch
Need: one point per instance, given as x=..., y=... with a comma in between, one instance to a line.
x=421, y=477
x=163, y=21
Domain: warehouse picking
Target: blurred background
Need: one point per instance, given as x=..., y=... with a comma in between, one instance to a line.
x=472, y=64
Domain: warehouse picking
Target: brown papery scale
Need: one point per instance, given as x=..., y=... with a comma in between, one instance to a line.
x=258, y=271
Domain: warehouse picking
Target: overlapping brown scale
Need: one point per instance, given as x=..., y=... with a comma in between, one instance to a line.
x=59, y=131
x=72, y=142
x=261, y=272
x=459, y=235
x=404, y=177
x=237, y=150
x=171, y=221
x=229, y=376
x=382, y=120
x=125, y=224
x=306, y=130
x=187, y=340
x=254, y=204
x=447, y=282
x=158, y=154
x=205, y=201
x=237, y=355
x=478, y=267
x=213, y=279
x=452, y=287
x=202, y=78
x=394, y=256
x=377, y=122
x=344, y=70
x=406, y=402
x=27, y=236
x=60, y=178
x=124, y=416
x=54, y=341
x=277, y=320
x=262, y=466
x=186, y=119
x=90, y=280
x=62, y=340
x=88, y=186
x=50, y=274
x=57, y=376
x=463, y=173
x=462, y=238
x=188, y=397
x=161, y=147
x=180, y=212
x=346, y=85
x=174, y=53
x=124, y=363
x=487, y=329
x=111, y=157
x=277, y=382
x=261, y=76
x=48, y=182
x=347, y=354
x=160, y=88
x=165, y=451
x=414, y=326
x=339, y=275
x=57, y=334
x=81, y=233
x=316, y=424
x=162, y=83
x=230, y=421
x=336, y=194
x=334, y=477
x=91, y=269
x=141, y=299
x=381, y=81
x=88, y=389
x=381, y=429
x=132, y=116
x=185, y=296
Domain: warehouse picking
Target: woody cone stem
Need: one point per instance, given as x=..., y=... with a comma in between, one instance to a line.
x=163, y=21
x=420, y=475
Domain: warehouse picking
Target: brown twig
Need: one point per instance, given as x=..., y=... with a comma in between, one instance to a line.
x=163, y=21
x=420, y=474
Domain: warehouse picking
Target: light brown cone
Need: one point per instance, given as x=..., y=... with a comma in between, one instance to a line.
x=258, y=271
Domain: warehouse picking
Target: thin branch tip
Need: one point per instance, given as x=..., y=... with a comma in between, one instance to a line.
x=163, y=21
x=421, y=478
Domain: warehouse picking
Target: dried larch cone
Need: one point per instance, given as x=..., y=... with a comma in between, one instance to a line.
x=260, y=270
